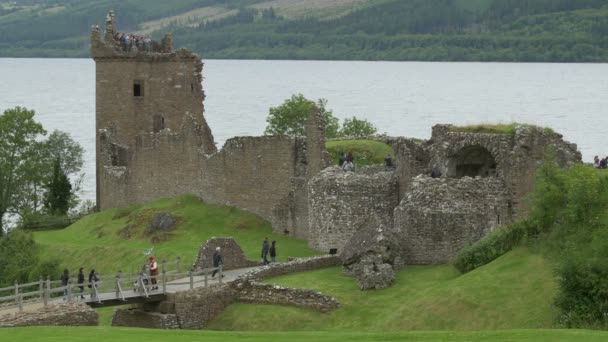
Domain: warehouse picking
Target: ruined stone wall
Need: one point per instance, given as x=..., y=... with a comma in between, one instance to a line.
x=340, y=203
x=439, y=216
x=233, y=255
x=137, y=318
x=53, y=315
x=250, y=173
x=257, y=293
x=294, y=266
x=197, y=307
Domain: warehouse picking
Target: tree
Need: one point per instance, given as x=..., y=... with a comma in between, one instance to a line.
x=27, y=163
x=18, y=144
x=290, y=117
x=59, y=191
x=357, y=128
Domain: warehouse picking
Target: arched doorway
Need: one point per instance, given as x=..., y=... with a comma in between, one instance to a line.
x=472, y=161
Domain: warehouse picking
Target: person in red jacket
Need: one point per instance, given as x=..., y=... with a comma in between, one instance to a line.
x=153, y=272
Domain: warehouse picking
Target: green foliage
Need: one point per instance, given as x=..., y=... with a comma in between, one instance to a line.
x=43, y=221
x=290, y=117
x=115, y=239
x=122, y=334
x=20, y=259
x=491, y=247
x=493, y=128
x=18, y=147
x=365, y=152
x=27, y=165
x=514, y=292
x=432, y=30
x=59, y=192
x=357, y=128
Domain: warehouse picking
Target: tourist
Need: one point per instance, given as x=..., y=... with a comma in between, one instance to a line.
x=350, y=158
x=265, y=248
x=81, y=282
x=341, y=159
x=596, y=162
x=603, y=163
x=217, y=261
x=65, y=278
x=435, y=172
x=273, y=252
x=388, y=162
x=348, y=166
x=153, y=272
x=93, y=279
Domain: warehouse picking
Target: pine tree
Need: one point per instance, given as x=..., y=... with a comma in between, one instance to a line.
x=59, y=191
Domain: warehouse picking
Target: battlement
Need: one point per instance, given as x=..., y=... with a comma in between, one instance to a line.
x=116, y=44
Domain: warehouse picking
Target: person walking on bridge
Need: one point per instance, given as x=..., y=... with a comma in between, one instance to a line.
x=217, y=261
x=153, y=272
x=265, y=248
x=81, y=282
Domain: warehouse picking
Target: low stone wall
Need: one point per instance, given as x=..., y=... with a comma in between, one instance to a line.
x=232, y=255
x=257, y=293
x=297, y=265
x=138, y=318
x=53, y=315
x=197, y=307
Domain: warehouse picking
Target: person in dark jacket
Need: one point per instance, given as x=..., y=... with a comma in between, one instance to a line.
x=93, y=279
x=65, y=278
x=388, y=162
x=217, y=261
x=265, y=248
x=81, y=282
x=273, y=252
x=435, y=172
x=341, y=159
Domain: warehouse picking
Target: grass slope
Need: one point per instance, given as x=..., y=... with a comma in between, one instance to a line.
x=66, y=334
x=365, y=152
x=515, y=291
x=95, y=241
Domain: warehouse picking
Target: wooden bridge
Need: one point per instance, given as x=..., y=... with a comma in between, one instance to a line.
x=109, y=290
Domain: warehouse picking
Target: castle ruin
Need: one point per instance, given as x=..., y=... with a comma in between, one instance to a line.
x=152, y=141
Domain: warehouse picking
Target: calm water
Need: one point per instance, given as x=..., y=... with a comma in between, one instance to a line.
x=400, y=98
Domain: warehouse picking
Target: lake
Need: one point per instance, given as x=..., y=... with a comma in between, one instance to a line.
x=400, y=98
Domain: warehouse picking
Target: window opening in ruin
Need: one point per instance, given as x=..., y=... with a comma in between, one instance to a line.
x=138, y=89
x=472, y=161
x=333, y=251
x=192, y=87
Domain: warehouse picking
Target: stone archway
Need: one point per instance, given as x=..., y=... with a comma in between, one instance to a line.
x=472, y=161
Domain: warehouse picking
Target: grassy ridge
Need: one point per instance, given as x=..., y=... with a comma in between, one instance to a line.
x=96, y=240
x=516, y=291
x=68, y=334
x=365, y=152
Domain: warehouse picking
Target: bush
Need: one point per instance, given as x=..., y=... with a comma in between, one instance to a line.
x=491, y=247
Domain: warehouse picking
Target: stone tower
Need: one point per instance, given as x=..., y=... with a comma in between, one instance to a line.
x=143, y=87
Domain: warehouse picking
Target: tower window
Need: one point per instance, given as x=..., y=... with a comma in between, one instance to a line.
x=138, y=89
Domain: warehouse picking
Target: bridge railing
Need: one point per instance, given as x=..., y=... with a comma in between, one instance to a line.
x=141, y=284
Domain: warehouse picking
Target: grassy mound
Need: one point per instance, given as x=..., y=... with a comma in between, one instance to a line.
x=515, y=291
x=69, y=334
x=492, y=128
x=116, y=239
x=365, y=152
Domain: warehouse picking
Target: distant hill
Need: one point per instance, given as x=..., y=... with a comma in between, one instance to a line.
x=431, y=30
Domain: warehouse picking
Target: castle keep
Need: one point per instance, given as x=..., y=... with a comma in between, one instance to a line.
x=152, y=142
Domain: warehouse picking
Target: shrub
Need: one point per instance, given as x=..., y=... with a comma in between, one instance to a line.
x=491, y=247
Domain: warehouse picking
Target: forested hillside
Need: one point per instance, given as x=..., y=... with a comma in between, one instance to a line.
x=449, y=30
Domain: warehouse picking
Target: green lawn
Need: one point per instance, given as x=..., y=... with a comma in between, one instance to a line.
x=515, y=291
x=95, y=241
x=365, y=152
x=67, y=334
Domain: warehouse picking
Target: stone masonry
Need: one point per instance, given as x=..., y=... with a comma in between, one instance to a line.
x=53, y=315
x=232, y=254
x=153, y=142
